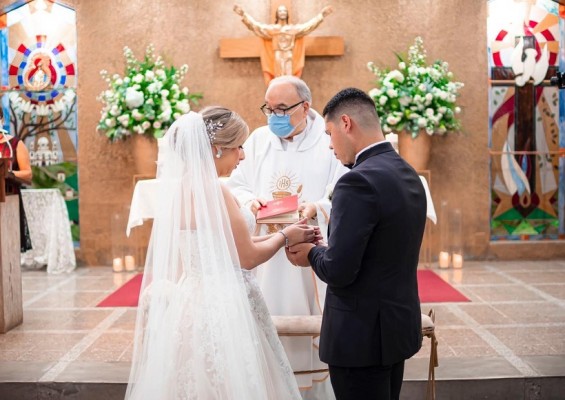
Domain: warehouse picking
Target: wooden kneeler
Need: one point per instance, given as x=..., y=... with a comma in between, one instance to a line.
x=309, y=325
x=299, y=325
x=429, y=330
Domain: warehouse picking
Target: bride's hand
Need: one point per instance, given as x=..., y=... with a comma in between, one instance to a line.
x=301, y=233
x=318, y=238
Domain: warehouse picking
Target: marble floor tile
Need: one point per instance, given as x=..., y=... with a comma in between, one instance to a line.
x=531, y=313
x=70, y=319
x=513, y=326
x=468, y=275
x=540, y=276
x=69, y=299
x=485, y=314
x=125, y=322
x=495, y=293
x=556, y=289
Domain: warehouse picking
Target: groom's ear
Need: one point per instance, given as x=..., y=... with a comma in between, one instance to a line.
x=345, y=121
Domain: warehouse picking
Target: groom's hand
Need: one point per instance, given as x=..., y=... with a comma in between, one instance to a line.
x=298, y=254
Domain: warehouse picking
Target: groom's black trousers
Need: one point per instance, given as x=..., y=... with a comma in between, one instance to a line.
x=367, y=383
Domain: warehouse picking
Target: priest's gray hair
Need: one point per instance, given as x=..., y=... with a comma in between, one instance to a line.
x=225, y=128
x=301, y=87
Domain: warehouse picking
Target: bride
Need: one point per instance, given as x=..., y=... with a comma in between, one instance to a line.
x=203, y=330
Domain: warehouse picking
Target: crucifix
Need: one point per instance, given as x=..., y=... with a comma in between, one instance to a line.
x=281, y=46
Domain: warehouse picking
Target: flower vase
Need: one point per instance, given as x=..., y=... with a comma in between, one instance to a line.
x=416, y=151
x=145, y=155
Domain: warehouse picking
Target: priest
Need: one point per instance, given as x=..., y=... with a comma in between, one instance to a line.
x=291, y=156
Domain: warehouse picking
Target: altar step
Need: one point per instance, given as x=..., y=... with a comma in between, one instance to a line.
x=456, y=379
x=545, y=388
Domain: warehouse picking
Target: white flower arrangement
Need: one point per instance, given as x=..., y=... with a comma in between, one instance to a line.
x=146, y=100
x=416, y=97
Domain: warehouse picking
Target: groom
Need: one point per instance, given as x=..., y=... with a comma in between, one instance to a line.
x=372, y=317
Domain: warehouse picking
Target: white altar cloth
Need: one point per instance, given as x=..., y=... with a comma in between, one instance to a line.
x=143, y=202
x=431, y=211
x=49, y=228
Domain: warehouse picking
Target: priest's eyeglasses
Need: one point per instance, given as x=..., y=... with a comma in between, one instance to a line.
x=279, y=112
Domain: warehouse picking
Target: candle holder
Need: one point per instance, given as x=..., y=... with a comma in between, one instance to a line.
x=456, y=237
x=443, y=222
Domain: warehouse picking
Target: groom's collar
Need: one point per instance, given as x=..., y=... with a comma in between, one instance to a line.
x=372, y=150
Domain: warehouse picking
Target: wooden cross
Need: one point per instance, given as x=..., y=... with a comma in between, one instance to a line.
x=250, y=47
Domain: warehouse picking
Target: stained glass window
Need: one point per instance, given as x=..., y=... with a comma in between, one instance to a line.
x=38, y=91
x=526, y=142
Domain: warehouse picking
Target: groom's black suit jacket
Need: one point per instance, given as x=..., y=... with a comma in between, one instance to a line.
x=372, y=312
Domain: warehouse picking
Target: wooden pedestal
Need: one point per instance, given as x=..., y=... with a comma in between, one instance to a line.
x=11, y=304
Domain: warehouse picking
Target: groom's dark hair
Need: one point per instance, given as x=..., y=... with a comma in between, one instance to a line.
x=351, y=101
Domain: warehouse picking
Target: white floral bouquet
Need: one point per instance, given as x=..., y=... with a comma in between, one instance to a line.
x=416, y=97
x=146, y=100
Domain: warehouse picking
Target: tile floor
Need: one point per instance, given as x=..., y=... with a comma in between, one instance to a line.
x=514, y=326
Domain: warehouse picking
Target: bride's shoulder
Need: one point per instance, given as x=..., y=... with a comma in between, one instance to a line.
x=228, y=196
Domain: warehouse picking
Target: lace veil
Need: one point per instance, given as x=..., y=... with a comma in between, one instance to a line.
x=195, y=336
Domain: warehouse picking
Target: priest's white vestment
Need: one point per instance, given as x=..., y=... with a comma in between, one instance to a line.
x=275, y=168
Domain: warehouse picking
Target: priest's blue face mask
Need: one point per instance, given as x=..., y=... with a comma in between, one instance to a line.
x=279, y=120
x=280, y=126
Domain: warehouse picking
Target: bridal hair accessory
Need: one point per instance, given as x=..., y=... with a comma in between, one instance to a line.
x=211, y=129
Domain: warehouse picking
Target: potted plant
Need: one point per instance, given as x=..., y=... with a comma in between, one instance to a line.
x=415, y=101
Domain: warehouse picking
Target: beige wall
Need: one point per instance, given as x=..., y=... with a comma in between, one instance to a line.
x=189, y=32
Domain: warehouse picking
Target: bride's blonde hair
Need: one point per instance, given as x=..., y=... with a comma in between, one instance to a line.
x=225, y=127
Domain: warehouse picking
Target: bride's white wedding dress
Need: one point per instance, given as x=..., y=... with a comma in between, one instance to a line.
x=195, y=368
x=203, y=331
x=277, y=364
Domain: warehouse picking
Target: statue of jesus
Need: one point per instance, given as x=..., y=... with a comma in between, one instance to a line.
x=283, y=45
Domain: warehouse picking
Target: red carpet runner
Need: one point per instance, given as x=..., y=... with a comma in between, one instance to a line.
x=431, y=289
x=125, y=296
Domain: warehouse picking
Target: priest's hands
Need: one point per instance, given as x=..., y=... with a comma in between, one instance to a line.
x=308, y=210
x=298, y=254
x=256, y=204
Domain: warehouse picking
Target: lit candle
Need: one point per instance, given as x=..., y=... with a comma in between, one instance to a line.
x=444, y=259
x=117, y=264
x=130, y=263
x=457, y=260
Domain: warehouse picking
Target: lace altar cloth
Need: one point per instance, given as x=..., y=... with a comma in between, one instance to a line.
x=50, y=232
